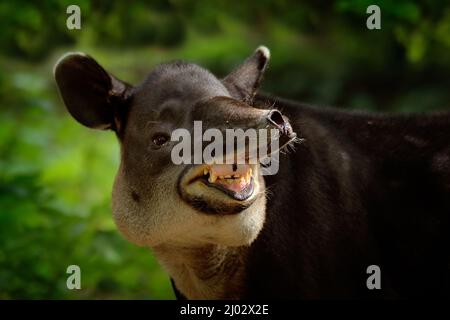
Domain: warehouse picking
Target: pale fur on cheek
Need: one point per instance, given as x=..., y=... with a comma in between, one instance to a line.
x=162, y=217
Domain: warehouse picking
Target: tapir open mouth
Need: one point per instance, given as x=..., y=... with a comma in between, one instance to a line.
x=235, y=180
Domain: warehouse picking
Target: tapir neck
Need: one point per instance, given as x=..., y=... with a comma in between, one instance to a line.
x=206, y=272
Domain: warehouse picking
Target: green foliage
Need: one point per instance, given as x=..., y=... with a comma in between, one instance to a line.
x=55, y=182
x=56, y=176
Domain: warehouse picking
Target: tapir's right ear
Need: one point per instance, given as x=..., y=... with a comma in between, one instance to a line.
x=244, y=81
x=93, y=97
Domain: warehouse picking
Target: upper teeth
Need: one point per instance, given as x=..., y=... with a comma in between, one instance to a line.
x=213, y=177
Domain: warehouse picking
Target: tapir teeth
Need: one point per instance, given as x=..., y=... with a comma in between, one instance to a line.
x=212, y=177
x=230, y=178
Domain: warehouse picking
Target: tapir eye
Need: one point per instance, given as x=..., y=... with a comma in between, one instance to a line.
x=160, y=139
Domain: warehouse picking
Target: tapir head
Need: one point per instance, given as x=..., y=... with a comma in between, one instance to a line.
x=155, y=200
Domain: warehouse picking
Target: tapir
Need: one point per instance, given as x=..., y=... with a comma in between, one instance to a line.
x=358, y=209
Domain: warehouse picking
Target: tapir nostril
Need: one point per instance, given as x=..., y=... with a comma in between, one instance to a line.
x=276, y=118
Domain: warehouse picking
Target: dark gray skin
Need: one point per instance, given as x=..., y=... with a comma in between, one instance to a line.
x=360, y=190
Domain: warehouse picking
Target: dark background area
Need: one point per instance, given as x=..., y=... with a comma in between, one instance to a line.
x=56, y=176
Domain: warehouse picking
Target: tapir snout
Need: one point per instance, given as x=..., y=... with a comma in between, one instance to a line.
x=224, y=113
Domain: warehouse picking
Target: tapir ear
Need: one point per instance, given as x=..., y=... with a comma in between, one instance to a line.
x=92, y=96
x=244, y=81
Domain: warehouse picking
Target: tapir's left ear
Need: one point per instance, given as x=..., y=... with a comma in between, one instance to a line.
x=92, y=96
x=244, y=81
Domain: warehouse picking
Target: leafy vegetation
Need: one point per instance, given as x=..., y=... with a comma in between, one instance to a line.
x=56, y=176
